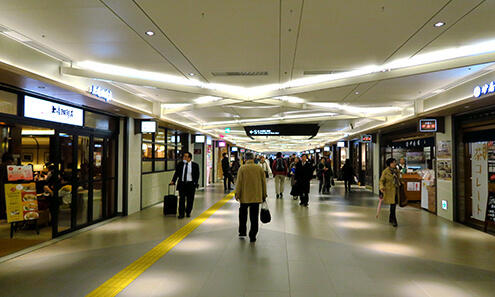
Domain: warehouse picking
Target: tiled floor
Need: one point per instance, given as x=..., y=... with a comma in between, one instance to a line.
x=335, y=247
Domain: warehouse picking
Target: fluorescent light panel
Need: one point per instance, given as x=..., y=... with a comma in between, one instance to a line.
x=421, y=59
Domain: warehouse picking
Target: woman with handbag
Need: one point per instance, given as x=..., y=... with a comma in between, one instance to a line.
x=292, y=175
x=390, y=187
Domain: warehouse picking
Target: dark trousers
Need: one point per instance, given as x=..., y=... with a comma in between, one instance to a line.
x=304, y=198
x=321, y=185
x=227, y=178
x=347, y=184
x=328, y=182
x=254, y=209
x=186, y=192
x=393, y=217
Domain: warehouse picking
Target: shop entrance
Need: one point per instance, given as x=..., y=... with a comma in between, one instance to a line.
x=74, y=178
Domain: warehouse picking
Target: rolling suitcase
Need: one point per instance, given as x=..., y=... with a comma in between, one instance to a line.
x=170, y=203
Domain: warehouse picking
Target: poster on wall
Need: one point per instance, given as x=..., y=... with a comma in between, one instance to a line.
x=479, y=182
x=444, y=169
x=491, y=163
x=21, y=202
x=444, y=150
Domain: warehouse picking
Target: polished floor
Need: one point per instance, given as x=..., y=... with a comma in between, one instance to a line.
x=335, y=247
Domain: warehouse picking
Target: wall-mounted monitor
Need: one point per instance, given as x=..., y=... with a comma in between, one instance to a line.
x=221, y=144
x=326, y=149
x=149, y=126
x=234, y=149
x=341, y=144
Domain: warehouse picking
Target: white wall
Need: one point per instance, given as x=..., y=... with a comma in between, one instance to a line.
x=376, y=165
x=134, y=172
x=444, y=187
x=155, y=186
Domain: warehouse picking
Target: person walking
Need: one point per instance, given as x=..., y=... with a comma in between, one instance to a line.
x=279, y=169
x=389, y=186
x=328, y=176
x=292, y=175
x=348, y=175
x=227, y=174
x=250, y=192
x=304, y=174
x=235, y=168
x=320, y=174
x=266, y=167
x=187, y=174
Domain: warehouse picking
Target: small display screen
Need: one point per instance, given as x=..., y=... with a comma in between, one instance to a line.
x=341, y=144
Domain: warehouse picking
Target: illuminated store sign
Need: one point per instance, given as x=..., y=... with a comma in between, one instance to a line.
x=428, y=125
x=234, y=149
x=366, y=138
x=444, y=204
x=341, y=144
x=326, y=149
x=484, y=89
x=199, y=138
x=103, y=93
x=148, y=127
x=50, y=111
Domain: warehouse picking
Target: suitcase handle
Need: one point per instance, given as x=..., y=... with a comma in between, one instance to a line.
x=175, y=188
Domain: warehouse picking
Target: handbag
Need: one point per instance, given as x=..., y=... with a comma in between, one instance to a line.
x=265, y=215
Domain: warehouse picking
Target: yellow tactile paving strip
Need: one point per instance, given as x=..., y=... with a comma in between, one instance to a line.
x=121, y=280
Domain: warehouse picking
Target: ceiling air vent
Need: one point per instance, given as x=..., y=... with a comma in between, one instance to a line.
x=319, y=72
x=240, y=73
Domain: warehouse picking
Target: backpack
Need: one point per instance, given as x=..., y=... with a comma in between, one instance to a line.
x=280, y=165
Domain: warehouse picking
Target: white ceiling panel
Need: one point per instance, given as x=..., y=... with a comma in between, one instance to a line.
x=344, y=35
x=82, y=30
x=413, y=87
x=477, y=26
x=220, y=36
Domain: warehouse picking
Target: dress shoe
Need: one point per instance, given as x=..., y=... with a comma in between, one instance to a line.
x=180, y=217
x=252, y=240
x=394, y=223
x=188, y=215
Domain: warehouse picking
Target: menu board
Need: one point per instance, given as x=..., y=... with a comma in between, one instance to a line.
x=490, y=209
x=19, y=173
x=21, y=202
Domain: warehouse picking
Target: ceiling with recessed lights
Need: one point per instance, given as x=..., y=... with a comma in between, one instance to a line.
x=212, y=64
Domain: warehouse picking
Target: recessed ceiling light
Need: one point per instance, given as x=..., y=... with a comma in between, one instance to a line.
x=150, y=33
x=439, y=24
x=191, y=74
x=357, y=93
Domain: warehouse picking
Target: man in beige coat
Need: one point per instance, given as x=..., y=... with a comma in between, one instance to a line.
x=250, y=191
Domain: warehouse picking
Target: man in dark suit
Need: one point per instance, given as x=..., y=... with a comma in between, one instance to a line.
x=187, y=173
x=303, y=176
x=227, y=175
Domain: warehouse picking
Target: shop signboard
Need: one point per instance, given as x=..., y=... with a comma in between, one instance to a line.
x=326, y=149
x=105, y=94
x=485, y=89
x=366, y=138
x=479, y=181
x=21, y=202
x=428, y=125
x=54, y=112
x=341, y=144
x=199, y=139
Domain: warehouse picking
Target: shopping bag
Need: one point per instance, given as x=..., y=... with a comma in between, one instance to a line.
x=265, y=215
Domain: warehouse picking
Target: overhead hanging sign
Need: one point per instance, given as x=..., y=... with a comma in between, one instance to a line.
x=282, y=130
x=366, y=138
x=485, y=89
x=428, y=125
x=54, y=112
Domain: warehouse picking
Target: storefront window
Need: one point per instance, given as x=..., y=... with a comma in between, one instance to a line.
x=8, y=102
x=156, y=150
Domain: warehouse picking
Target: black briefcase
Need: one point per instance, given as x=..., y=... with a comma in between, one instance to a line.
x=170, y=203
